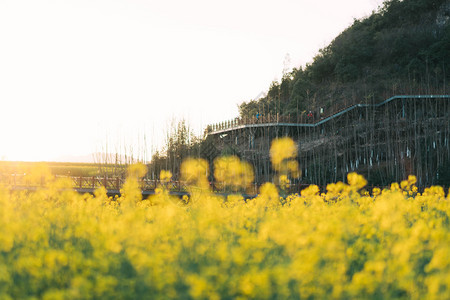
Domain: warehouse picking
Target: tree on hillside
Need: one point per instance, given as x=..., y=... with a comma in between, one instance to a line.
x=180, y=144
x=302, y=87
x=249, y=109
x=401, y=48
x=274, y=97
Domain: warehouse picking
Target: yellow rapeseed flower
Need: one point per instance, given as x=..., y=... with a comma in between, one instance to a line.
x=165, y=176
x=233, y=173
x=195, y=172
x=282, y=149
x=356, y=181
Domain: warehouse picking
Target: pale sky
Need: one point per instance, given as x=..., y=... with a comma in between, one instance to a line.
x=77, y=75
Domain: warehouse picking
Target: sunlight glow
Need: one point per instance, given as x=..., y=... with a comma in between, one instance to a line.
x=74, y=72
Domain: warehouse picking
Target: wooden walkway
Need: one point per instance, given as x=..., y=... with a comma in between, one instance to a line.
x=302, y=121
x=22, y=182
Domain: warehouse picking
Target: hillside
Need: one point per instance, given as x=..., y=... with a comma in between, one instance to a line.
x=403, y=48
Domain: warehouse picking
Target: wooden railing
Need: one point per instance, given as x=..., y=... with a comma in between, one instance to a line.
x=311, y=117
x=262, y=119
x=90, y=182
x=114, y=184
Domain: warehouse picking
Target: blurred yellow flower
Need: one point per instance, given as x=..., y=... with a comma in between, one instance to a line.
x=195, y=172
x=356, y=181
x=233, y=173
x=165, y=176
x=283, y=154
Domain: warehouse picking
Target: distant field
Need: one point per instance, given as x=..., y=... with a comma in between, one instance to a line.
x=60, y=168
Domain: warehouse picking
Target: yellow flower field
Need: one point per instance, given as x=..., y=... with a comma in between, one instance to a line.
x=346, y=243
